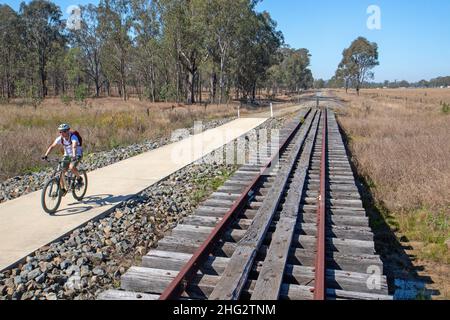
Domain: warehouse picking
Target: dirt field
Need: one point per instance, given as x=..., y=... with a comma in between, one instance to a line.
x=400, y=143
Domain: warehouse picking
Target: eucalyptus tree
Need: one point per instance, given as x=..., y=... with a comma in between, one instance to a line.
x=116, y=28
x=147, y=27
x=10, y=50
x=345, y=73
x=296, y=73
x=358, y=60
x=257, y=45
x=88, y=39
x=184, y=30
x=222, y=21
x=43, y=28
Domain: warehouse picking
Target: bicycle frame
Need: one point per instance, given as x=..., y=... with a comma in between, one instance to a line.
x=58, y=171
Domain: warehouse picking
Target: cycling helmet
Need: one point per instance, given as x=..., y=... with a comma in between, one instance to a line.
x=63, y=127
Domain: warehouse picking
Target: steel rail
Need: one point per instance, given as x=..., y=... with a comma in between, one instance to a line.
x=320, y=287
x=189, y=270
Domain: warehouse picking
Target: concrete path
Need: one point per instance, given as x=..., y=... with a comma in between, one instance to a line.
x=25, y=227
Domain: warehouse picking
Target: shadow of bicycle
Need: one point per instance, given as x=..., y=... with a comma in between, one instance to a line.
x=92, y=202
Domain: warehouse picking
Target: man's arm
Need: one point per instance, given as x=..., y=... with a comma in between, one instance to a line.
x=54, y=144
x=74, y=149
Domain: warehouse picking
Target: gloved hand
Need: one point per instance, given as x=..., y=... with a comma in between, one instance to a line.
x=44, y=158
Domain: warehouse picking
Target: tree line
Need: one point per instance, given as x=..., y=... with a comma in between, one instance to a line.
x=439, y=82
x=161, y=50
x=432, y=83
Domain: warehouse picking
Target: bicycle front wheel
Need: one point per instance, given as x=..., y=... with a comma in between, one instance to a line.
x=79, y=190
x=51, y=196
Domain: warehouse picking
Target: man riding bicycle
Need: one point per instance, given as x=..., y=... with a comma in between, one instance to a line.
x=73, y=153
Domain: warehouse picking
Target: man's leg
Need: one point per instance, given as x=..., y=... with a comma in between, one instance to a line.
x=62, y=181
x=62, y=178
x=73, y=168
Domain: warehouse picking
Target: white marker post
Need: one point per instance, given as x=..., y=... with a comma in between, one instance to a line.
x=271, y=110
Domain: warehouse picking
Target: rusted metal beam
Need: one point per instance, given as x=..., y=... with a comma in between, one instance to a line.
x=320, y=288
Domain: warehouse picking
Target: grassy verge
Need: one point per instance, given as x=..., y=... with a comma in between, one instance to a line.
x=429, y=227
x=204, y=187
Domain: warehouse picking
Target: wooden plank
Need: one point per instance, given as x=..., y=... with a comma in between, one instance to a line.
x=336, y=260
x=231, y=189
x=126, y=295
x=349, y=295
x=270, y=278
x=201, y=233
x=226, y=195
x=154, y=281
x=178, y=244
x=356, y=221
x=211, y=211
x=295, y=292
x=336, y=279
x=218, y=203
x=336, y=211
x=201, y=221
x=232, y=281
x=147, y=280
x=234, y=182
x=346, y=246
x=169, y=260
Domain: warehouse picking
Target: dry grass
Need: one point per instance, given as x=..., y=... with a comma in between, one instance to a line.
x=415, y=97
x=400, y=142
x=25, y=132
x=403, y=148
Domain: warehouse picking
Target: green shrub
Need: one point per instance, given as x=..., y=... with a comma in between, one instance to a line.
x=445, y=108
x=81, y=93
x=167, y=92
x=66, y=99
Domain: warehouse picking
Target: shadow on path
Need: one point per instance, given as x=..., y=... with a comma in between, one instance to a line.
x=92, y=202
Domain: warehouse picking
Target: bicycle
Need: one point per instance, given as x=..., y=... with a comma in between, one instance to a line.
x=52, y=194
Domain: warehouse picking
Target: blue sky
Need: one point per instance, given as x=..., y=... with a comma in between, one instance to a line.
x=414, y=39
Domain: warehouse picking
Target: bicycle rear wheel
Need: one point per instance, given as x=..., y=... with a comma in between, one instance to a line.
x=79, y=191
x=51, y=196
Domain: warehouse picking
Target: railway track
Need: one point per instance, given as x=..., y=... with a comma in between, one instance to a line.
x=296, y=230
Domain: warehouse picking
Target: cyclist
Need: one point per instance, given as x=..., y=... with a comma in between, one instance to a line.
x=73, y=153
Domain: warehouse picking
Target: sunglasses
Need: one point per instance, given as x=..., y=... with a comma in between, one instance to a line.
x=64, y=131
